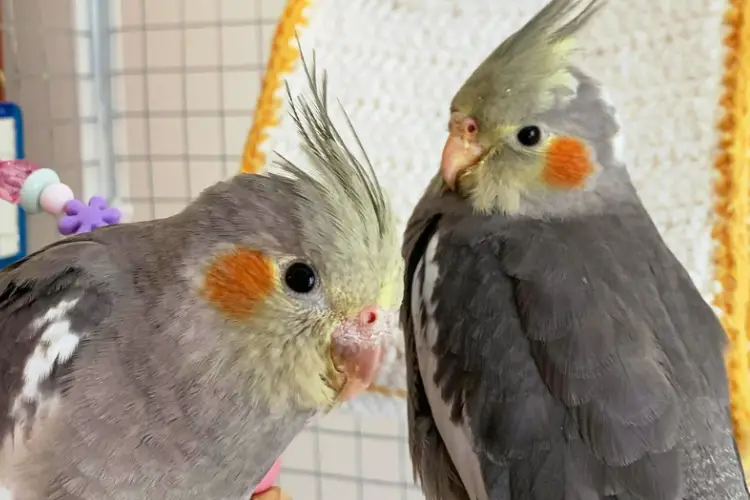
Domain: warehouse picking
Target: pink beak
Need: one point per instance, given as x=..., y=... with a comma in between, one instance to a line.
x=461, y=150
x=359, y=347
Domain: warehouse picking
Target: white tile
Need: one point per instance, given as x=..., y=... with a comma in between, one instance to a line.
x=202, y=47
x=300, y=486
x=236, y=130
x=339, y=420
x=162, y=11
x=238, y=10
x=380, y=460
x=203, y=92
x=338, y=454
x=239, y=45
x=241, y=90
x=381, y=426
x=201, y=11
x=204, y=135
x=165, y=92
x=170, y=179
x=167, y=136
x=301, y=453
x=378, y=492
x=339, y=489
x=164, y=49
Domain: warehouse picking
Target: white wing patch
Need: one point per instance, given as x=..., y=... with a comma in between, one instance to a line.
x=56, y=345
x=458, y=439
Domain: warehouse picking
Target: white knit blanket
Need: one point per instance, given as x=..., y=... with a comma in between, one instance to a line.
x=395, y=64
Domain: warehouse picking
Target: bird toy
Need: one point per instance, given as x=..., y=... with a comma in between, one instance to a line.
x=37, y=190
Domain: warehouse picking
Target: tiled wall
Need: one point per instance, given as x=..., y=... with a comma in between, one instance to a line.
x=185, y=78
x=42, y=75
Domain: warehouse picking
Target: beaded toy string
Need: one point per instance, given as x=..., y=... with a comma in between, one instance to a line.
x=38, y=190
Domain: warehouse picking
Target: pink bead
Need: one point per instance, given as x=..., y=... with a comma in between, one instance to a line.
x=54, y=198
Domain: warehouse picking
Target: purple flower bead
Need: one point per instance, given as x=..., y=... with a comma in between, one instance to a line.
x=82, y=218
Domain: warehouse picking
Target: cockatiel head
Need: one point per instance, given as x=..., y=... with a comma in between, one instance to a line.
x=191, y=350
x=312, y=289
x=530, y=133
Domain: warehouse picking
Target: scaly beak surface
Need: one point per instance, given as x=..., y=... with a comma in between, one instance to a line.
x=459, y=154
x=359, y=347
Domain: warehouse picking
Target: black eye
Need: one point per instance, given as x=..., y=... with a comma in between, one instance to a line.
x=300, y=278
x=529, y=136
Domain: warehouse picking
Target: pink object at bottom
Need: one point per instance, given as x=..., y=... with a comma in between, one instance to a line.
x=269, y=479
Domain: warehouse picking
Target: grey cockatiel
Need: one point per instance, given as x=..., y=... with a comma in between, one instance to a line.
x=556, y=349
x=176, y=359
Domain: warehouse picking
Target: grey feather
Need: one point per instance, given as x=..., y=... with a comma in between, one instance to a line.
x=138, y=413
x=432, y=464
x=587, y=367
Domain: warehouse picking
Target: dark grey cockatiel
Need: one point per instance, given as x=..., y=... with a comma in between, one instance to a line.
x=177, y=359
x=555, y=347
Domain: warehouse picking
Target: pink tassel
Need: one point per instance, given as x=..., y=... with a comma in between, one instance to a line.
x=13, y=173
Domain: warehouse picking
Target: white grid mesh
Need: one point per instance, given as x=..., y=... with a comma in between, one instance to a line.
x=147, y=103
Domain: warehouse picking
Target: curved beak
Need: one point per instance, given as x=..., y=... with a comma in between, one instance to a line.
x=359, y=346
x=459, y=153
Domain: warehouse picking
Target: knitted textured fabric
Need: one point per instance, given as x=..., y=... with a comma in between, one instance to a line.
x=395, y=64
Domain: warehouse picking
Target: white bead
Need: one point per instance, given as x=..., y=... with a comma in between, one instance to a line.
x=55, y=197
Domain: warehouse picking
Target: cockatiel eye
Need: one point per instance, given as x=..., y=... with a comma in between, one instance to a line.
x=300, y=277
x=529, y=136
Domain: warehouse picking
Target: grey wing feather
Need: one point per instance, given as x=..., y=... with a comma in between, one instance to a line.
x=47, y=302
x=487, y=374
x=597, y=330
x=622, y=338
x=430, y=459
x=597, y=360
x=586, y=362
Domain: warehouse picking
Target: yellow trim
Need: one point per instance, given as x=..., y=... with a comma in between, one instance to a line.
x=284, y=55
x=732, y=210
x=731, y=231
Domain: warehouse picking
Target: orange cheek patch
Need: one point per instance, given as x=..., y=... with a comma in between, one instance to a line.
x=238, y=281
x=568, y=164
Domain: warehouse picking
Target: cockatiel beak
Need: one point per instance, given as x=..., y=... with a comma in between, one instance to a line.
x=462, y=149
x=358, y=349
